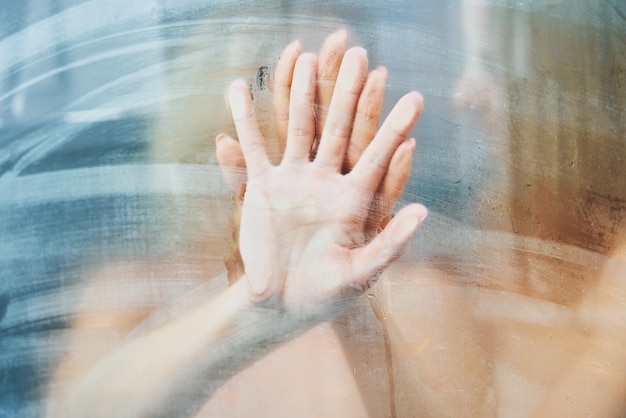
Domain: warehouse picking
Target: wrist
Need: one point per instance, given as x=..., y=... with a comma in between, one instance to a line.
x=261, y=296
x=261, y=319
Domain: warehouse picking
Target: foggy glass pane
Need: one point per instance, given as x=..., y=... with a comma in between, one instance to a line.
x=115, y=217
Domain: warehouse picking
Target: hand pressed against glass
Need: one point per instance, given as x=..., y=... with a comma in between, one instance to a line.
x=303, y=230
x=358, y=135
x=306, y=241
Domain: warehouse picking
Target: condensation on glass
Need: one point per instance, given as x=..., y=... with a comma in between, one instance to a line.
x=511, y=301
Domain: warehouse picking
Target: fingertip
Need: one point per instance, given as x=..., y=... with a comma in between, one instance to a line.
x=331, y=55
x=228, y=150
x=307, y=57
x=238, y=94
x=353, y=70
x=376, y=79
x=410, y=104
x=420, y=211
x=296, y=44
x=412, y=218
x=341, y=34
x=390, y=244
x=304, y=72
x=357, y=52
x=219, y=138
x=403, y=156
x=286, y=62
x=226, y=142
x=417, y=99
x=382, y=71
x=230, y=159
x=239, y=84
x=294, y=48
x=336, y=39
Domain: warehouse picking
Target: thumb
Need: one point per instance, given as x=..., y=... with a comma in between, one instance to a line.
x=369, y=261
x=259, y=246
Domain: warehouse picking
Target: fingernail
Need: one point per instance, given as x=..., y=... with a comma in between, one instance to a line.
x=421, y=212
x=410, y=224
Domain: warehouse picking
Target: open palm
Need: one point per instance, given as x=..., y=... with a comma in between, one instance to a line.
x=302, y=238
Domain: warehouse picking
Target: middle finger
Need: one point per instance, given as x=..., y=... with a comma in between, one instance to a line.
x=336, y=134
x=331, y=56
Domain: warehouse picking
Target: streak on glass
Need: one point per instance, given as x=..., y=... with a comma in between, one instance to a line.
x=112, y=202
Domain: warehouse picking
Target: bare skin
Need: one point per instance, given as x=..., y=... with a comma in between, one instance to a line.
x=422, y=385
x=357, y=374
x=363, y=129
x=317, y=255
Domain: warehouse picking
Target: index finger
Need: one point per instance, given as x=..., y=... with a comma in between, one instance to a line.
x=250, y=138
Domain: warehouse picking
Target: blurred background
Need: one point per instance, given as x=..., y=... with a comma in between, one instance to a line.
x=108, y=110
